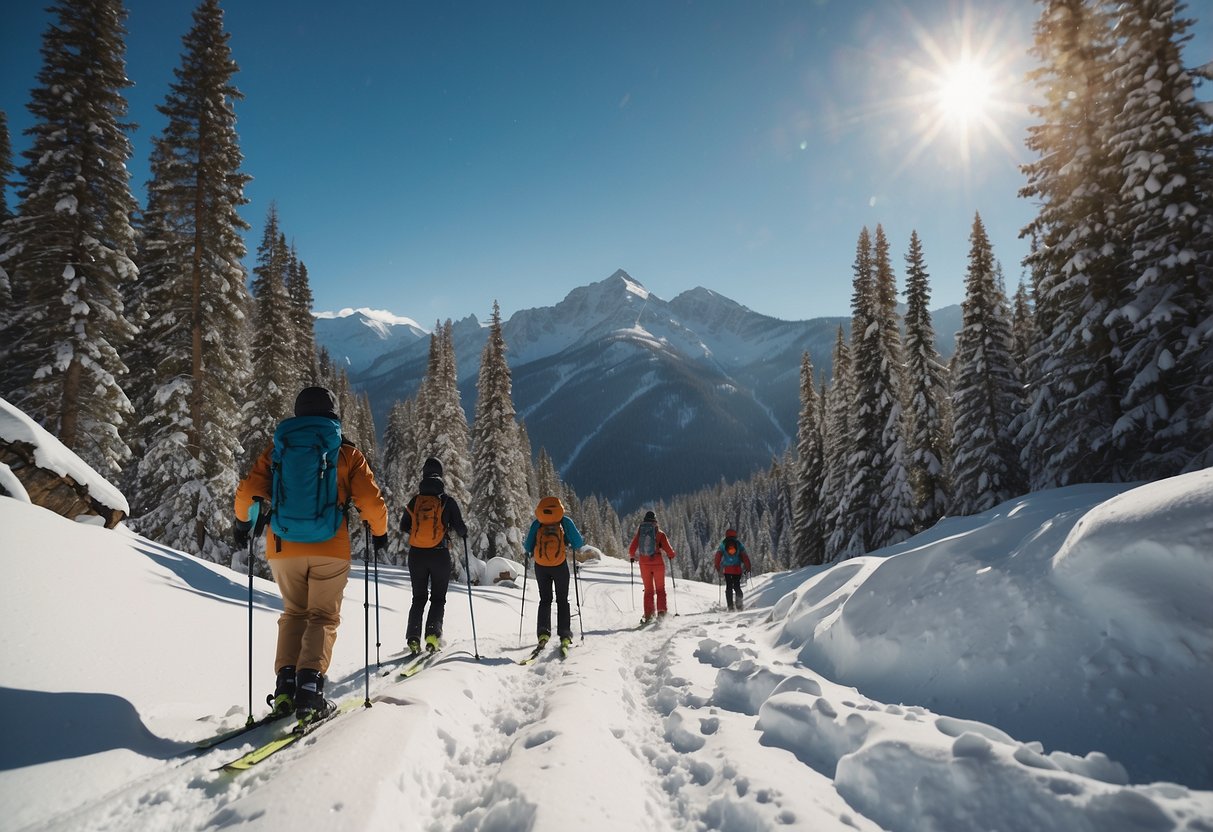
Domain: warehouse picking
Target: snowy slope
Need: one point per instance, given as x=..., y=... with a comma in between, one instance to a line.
x=844, y=698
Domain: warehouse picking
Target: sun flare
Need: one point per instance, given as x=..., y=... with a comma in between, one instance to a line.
x=965, y=91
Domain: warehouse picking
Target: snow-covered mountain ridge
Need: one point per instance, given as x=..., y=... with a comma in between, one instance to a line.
x=686, y=390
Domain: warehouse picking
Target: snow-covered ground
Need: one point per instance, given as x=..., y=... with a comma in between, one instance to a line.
x=1045, y=666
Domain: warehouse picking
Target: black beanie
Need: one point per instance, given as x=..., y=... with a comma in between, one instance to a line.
x=432, y=468
x=650, y=517
x=316, y=401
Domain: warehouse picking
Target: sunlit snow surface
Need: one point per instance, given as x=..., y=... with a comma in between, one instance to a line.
x=1031, y=668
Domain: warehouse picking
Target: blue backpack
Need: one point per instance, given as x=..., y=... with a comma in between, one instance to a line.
x=731, y=552
x=646, y=536
x=304, y=498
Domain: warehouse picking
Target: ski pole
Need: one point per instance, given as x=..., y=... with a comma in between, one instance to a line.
x=632, y=581
x=254, y=511
x=577, y=595
x=467, y=575
x=674, y=586
x=366, y=617
x=522, y=610
x=378, y=644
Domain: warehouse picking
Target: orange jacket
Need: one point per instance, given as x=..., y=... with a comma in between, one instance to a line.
x=354, y=482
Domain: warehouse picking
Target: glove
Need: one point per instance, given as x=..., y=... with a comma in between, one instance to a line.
x=632, y=559
x=379, y=541
x=240, y=533
x=263, y=518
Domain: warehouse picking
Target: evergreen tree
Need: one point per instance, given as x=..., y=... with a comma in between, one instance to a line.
x=892, y=514
x=6, y=171
x=986, y=400
x=68, y=251
x=808, y=537
x=835, y=496
x=444, y=433
x=547, y=480
x=397, y=474
x=275, y=381
x=498, y=469
x=927, y=402
x=1023, y=332
x=1078, y=251
x=300, y=291
x=194, y=350
x=1162, y=138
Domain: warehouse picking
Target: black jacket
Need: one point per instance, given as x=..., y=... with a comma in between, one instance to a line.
x=452, y=517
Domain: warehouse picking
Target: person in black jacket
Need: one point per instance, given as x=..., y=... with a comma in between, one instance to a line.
x=428, y=520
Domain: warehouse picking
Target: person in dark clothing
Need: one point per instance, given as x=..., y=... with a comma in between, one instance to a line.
x=429, y=519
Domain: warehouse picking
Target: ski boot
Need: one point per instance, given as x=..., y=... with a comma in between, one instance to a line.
x=414, y=646
x=310, y=704
x=566, y=644
x=282, y=700
x=543, y=640
x=431, y=643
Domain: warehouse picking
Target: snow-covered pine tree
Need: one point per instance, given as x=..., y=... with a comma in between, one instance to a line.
x=6, y=172
x=927, y=402
x=397, y=473
x=808, y=535
x=300, y=290
x=275, y=379
x=839, y=519
x=1078, y=252
x=547, y=480
x=986, y=396
x=68, y=251
x=445, y=432
x=861, y=496
x=892, y=515
x=1162, y=140
x=194, y=351
x=498, y=468
x=1023, y=332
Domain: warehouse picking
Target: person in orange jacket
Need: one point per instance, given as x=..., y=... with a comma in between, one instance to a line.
x=731, y=561
x=311, y=575
x=647, y=545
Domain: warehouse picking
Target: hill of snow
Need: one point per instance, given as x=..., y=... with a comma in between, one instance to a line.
x=1044, y=666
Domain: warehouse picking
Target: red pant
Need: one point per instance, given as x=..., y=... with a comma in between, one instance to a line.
x=652, y=572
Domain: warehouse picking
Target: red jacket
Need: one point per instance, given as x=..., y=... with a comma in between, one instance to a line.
x=738, y=568
x=662, y=543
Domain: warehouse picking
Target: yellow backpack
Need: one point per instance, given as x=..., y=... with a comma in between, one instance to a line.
x=549, y=539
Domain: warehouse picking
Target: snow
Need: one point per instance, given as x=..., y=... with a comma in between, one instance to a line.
x=1017, y=670
x=53, y=455
x=381, y=316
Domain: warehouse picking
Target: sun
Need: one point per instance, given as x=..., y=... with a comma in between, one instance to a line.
x=958, y=90
x=965, y=92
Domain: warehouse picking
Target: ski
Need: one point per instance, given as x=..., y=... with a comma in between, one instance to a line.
x=298, y=732
x=407, y=658
x=418, y=665
x=534, y=654
x=219, y=739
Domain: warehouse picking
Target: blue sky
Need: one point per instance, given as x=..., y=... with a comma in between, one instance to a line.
x=427, y=158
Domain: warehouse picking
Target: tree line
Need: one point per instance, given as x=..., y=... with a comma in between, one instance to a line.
x=133, y=335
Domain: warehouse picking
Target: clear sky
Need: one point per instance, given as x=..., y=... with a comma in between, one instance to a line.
x=427, y=158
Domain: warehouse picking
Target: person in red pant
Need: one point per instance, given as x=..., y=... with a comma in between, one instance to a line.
x=731, y=561
x=647, y=546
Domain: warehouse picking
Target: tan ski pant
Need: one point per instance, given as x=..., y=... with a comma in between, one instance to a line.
x=312, y=588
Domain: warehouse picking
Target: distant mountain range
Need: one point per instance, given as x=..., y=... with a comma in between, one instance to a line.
x=635, y=398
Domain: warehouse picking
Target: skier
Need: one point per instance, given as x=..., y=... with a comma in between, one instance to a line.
x=647, y=545
x=308, y=541
x=550, y=533
x=731, y=561
x=428, y=520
